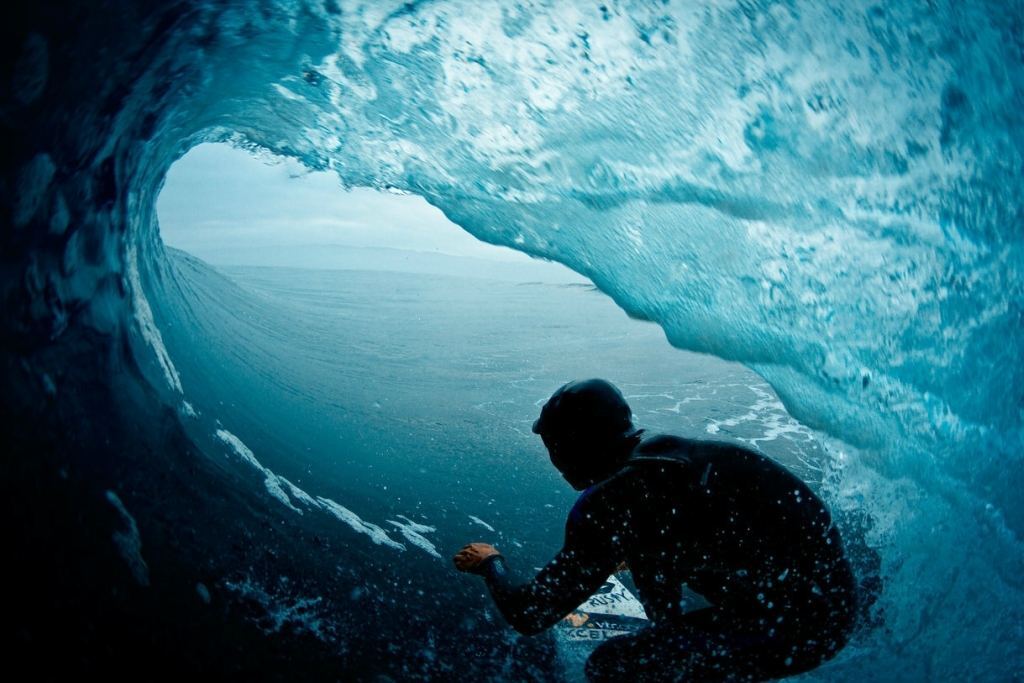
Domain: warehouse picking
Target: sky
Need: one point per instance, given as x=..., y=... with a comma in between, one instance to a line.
x=229, y=207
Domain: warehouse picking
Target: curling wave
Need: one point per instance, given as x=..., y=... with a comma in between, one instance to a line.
x=830, y=195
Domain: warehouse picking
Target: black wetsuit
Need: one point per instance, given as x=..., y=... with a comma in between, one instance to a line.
x=724, y=521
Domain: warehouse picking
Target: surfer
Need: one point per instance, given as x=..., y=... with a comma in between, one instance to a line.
x=724, y=521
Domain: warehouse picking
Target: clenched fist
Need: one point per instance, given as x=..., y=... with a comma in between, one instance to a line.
x=472, y=556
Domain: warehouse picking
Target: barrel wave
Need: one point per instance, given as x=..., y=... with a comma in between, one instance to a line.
x=828, y=193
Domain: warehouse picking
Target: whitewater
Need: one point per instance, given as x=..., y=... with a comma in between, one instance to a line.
x=829, y=194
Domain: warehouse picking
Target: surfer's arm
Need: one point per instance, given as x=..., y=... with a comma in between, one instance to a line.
x=586, y=560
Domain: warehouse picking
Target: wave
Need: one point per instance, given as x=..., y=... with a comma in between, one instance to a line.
x=830, y=195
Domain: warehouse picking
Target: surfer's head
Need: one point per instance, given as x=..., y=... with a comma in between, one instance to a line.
x=588, y=429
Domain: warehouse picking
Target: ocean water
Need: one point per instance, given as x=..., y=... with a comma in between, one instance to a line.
x=829, y=194
x=398, y=407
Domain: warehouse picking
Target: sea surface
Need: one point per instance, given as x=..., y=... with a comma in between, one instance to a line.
x=406, y=399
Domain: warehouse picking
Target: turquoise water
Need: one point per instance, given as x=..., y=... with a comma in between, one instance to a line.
x=397, y=407
x=828, y=193
x=413, y=394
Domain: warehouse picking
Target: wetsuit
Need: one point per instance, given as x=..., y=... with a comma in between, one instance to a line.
x=724, y=521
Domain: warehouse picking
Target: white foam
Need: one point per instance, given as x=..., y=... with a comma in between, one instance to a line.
x=376, y=534
x=282, y=609
x=276, y=485
x=271, y=481
x=273, y=485
x=299, y=494
x=482, y=523
x=768, y=413
x=144, y=317
x=413, y=532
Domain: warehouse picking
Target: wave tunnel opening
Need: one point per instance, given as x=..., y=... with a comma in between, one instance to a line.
x=831, y=197
x=362, y=376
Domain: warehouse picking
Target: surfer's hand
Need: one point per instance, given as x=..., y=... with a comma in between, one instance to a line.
x=472, y=556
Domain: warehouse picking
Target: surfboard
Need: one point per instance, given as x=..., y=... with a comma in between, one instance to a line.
x=612, y=611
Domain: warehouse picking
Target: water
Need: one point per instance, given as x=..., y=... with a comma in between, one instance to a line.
x=397, y=407
x=410, y=394
x=829, y=195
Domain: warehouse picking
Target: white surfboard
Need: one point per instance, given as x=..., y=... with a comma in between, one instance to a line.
x=612, y=611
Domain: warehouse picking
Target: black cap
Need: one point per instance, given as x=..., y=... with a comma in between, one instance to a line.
x=590, y=406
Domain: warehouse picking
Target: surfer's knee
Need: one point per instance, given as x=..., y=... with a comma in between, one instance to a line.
x=605, y=662
x=637, y=657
